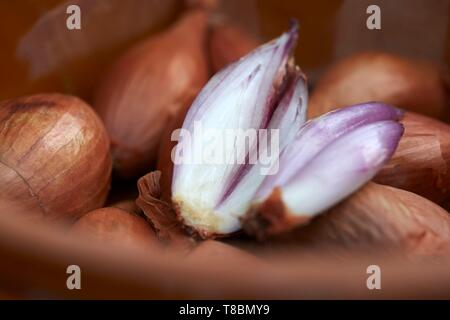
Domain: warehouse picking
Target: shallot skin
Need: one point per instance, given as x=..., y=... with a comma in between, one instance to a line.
x=54, y=156
x=413, y=85
x=250, y=94
x=422, y=160
x=115, y=226
x=152, y=80
x=379, y=218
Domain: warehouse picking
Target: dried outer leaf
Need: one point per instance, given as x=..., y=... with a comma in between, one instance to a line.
x=421, y=163
x=160, y=213
x=379, y=218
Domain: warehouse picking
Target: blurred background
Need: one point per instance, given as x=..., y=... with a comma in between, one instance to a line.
x=38, y=54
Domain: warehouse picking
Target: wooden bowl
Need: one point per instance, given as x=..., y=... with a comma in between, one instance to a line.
x=34, y=259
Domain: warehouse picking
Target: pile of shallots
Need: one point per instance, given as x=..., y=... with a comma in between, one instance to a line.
x=363, y=164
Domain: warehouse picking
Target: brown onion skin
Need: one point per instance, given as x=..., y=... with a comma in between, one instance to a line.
x=421, y=163
x=128, y=206
x=413, y=85
x=151, y=80
x=54, y=156
x=381, y=218
x=165, y=163
x=116, y=226
x=228, y=43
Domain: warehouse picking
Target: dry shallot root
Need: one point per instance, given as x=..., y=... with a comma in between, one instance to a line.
x=161, y=215
x=113, y=226
x=405, y=83
x=378, y=217
x=54, y=156
x=422, y=160
x=153, y=79
x=319, y=163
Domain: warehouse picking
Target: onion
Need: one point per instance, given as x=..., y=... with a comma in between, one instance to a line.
x=332, y=157
x=379, y=218
x=54, y=156
x=405, y=83
x=167, y=144
x=150, y=81
x=113, y=226
x=422, y=160
x=319, y=163
x=261, y=91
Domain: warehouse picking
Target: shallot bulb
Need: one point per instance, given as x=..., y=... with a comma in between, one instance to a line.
x=413, y=85
x=312, y=166
x=152, y=80
x=378, y=218
x=113, y=226
x=264, y=90
x=332, y=157
x=421, y=161
x=54, y=156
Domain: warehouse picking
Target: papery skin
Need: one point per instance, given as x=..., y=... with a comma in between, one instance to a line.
x=422, y=160
x=152, y=80
x=116, y=227
x=54, y=156
x=161, y=215
x=377, y=218
x=410, y=84
x=242, y=96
